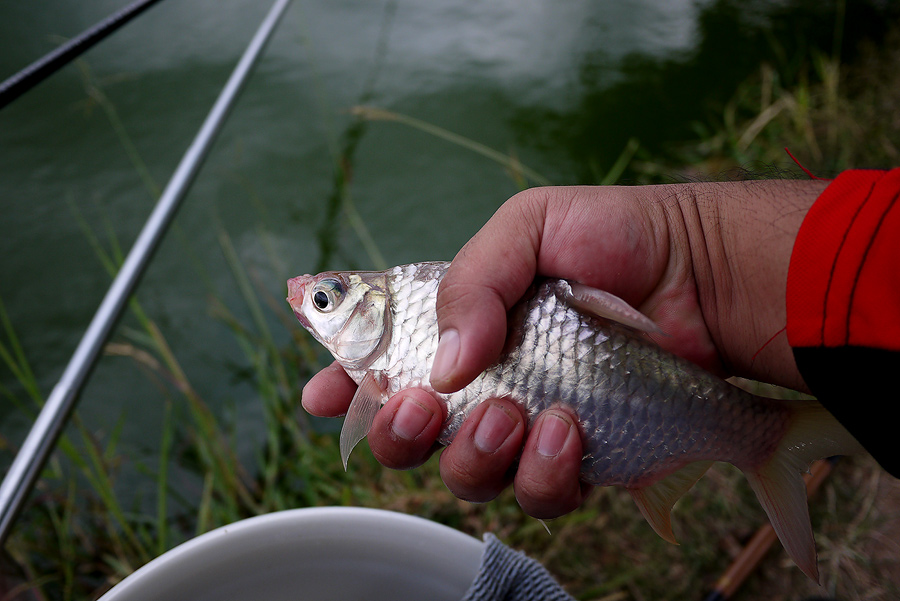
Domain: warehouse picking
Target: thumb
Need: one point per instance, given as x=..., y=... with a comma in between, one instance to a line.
x=487, y=277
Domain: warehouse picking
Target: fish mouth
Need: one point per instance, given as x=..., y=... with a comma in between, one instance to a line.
x=296, y=287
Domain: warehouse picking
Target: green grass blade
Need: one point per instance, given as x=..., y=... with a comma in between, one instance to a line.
x=98, y=474
x=363, y=233
x=162, y=481
x=375, y=114
x=14, y=358
x=244, y=285
x=134, y=156
x=615, y=172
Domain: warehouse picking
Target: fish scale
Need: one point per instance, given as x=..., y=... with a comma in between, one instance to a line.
x=650, y=421
x=616, y=367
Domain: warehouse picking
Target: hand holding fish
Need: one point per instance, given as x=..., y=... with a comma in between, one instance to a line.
x=636, y=242
x=667, y=250
x=702, y=265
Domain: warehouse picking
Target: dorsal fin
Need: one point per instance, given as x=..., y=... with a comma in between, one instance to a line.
x=656, y=501
x=360, y=415
x=608, y=306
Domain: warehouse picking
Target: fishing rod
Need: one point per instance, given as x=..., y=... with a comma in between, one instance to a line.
x=47, y=427
x=42, y=68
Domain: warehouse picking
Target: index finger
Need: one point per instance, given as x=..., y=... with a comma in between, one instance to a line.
x=328, y=392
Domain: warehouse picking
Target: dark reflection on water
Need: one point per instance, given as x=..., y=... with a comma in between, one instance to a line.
x=660, y=100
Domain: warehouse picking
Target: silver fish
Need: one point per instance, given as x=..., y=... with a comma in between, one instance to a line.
x=651, y=421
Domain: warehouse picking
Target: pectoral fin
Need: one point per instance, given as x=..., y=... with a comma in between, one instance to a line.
x=656, y=501
x=608, y=306
x=360, y=415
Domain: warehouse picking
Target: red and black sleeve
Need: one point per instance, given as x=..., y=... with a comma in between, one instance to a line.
x=843, y=306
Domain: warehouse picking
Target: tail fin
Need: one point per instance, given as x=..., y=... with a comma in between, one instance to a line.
x=813, y=434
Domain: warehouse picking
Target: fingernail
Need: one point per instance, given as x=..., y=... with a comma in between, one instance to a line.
x=494, y=428
x=445, y=356
x=410, y=419
x=553, y=434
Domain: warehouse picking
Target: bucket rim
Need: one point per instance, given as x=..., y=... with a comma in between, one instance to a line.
x=415, y=532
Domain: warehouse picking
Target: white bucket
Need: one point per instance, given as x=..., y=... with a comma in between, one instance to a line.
x=312, y=554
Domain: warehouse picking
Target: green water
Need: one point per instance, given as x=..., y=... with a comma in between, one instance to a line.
x=562, y=86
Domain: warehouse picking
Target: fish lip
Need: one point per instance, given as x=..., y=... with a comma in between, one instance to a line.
x=296, y=287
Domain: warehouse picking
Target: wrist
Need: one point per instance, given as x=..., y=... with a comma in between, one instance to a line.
x=740, y=236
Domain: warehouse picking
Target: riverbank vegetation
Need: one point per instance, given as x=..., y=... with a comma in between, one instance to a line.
x=88, y=524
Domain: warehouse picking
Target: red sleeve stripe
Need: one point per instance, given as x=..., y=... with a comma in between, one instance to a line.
x=844, y=277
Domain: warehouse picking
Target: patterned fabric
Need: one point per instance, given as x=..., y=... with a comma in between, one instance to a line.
x=508, y=575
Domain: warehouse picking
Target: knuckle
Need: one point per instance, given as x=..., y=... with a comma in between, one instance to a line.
x=548, y=490
x=471, y=480
x=537, y=491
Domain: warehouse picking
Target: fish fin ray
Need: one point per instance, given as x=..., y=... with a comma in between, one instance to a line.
x=360, y=415
x=656, y=501
x=608, y=306
x=782, y=494
x=813, y=434
x=545, y=525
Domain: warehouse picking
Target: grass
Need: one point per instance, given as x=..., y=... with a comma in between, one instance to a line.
x=835, y=117
x=80, y=534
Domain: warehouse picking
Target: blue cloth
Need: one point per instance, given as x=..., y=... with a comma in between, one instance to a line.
x=508, y=575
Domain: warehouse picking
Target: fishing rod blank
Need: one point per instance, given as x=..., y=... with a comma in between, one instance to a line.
x=44, y=67
x=41, y=439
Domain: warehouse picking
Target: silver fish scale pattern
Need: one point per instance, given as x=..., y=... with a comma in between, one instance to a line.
x=643, y=411
x=413, y=290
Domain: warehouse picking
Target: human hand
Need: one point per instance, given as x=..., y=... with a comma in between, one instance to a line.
x=707, y=262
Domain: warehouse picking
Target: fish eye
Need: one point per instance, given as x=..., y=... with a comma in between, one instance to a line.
x=326, y=295
x=321, y=299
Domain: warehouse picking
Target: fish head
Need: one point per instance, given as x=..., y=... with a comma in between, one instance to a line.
x=347, y=312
